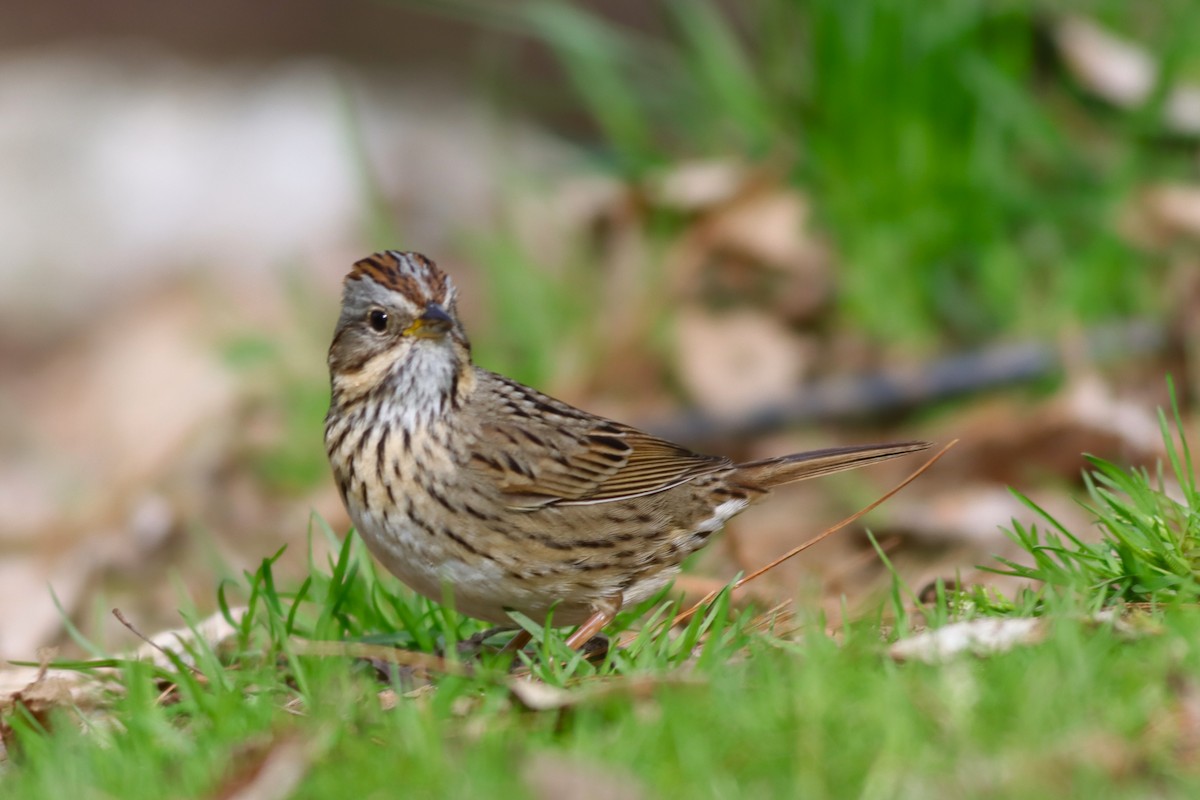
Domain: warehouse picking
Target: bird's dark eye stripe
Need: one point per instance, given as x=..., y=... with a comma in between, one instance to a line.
x=377, y=318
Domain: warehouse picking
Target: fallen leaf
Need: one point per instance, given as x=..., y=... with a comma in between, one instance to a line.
x=46, y=692
x=1162, y=214
x=270, y=770
x=538, y=696
x=733, y=362
x=693, y=186
x=769, y=227
x=1185, y=719
x=214, y=632
x=1122, y=73
x=423, y=663
x=558, y=775
x=23, y=586
x=85, y=690
x=975, y=513
x=977, y=637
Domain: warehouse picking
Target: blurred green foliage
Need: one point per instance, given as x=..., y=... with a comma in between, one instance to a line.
x=970, y=188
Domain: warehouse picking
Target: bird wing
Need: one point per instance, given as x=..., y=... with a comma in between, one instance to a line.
x=543, y=451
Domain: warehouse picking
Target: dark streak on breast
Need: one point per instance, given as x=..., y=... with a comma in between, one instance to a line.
x=440, y=499
x=464, y=544
x=480, y=515
x=549, y=541
x=381, y=452
x=593, y=544
x=487, y=462
x=337, y=443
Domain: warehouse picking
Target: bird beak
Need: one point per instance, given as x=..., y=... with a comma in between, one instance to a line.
x=432, y=324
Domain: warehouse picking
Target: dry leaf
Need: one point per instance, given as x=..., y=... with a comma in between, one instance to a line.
x=1185, y=719
x=770, y=227
x=267, y=771
x=422, y=663
x=1161, y=214
x=1012, y=442
x=214, y=632
x=558, y=775
x=697, y=185
x=1122, y=73
x=978, y=637
x=25, y=584
x=45, y=692
x=85, y=690
x=539, y=696
x=974, y=513
x=737, y=361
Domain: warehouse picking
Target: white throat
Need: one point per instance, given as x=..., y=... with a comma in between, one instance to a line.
x=424, y=383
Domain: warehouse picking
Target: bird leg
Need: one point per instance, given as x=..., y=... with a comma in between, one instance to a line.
x=517, y=642
x=603, y=615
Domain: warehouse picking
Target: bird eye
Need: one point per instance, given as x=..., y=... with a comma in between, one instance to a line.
x=377, y=318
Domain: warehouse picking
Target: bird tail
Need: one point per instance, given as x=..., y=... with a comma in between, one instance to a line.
x=771, y=472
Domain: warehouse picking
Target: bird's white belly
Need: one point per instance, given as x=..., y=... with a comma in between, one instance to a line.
x=478, y=588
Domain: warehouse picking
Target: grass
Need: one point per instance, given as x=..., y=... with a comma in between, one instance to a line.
x=1149, y=546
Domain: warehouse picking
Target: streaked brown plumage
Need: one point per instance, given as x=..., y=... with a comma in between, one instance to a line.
x=460, y=478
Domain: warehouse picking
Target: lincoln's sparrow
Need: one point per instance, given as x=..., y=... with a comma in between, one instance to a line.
x=458, y=477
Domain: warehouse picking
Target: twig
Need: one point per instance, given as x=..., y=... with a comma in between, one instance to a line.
x=171, y=657
x=379, y=652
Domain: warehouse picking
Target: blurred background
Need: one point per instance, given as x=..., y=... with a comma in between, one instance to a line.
x=756, y=227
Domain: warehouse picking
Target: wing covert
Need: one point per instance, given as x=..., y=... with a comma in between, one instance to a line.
x=552, y=453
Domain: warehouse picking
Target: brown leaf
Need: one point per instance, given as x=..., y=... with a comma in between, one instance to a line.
x=538, y=696
x=974, y=513
x=267, y=770
x=15, y=681
x=214, y=632
x=736, y=361
x=46, y=693
x=23, y=585
x=45, y=688
x=558, y=775
x=41, y=696
x=977, y=637
x=697, y=185
x=1161, y=214
x=422, y=663
x=769, y=227
x=1122, y=73
x=1183, y=719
